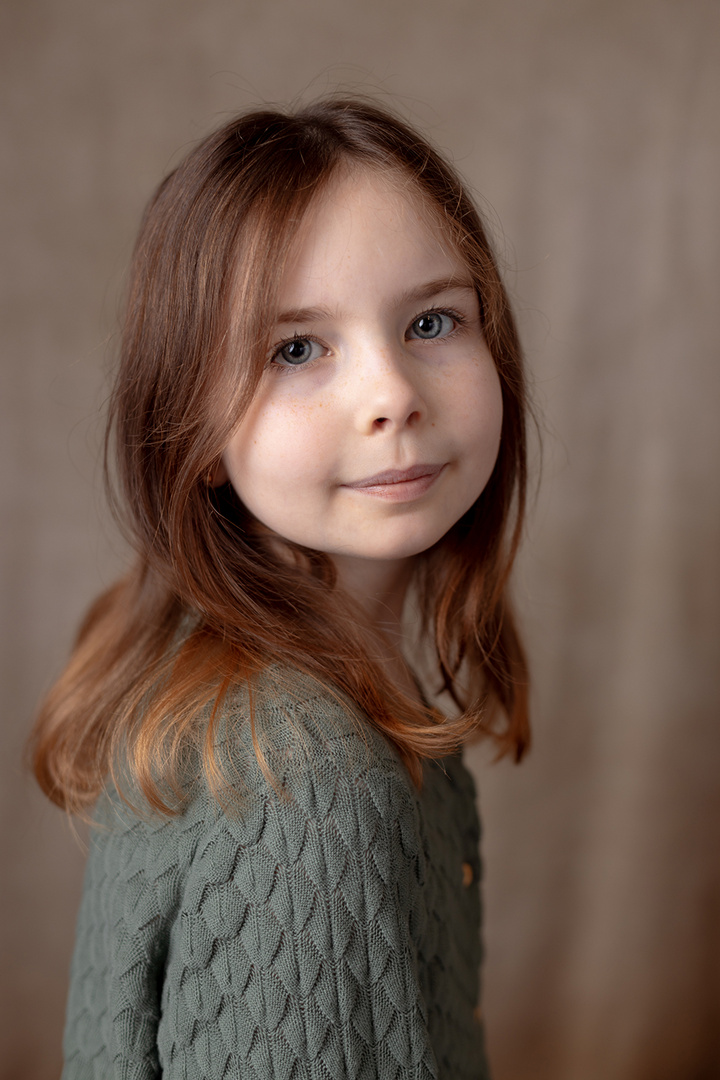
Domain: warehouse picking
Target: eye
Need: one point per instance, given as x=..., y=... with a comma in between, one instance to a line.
x=432, y=324
x=297, y=352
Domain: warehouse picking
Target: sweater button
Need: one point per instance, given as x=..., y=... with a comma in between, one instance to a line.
x=467, y=874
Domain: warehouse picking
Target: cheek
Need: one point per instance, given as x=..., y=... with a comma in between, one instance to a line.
x=478, y=407
x=491, y=408
x=277, y=447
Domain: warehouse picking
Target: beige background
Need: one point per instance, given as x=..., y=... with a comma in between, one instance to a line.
x=591, y=128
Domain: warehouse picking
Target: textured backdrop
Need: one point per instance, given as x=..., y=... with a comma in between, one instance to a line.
x=591, y=129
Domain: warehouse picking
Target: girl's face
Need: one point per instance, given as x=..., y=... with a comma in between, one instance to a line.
x=377, y=421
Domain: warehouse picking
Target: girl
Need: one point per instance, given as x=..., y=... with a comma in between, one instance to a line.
x=320, y=406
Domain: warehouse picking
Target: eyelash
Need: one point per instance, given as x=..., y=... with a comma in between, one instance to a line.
x=457, y=317
x=277, y=349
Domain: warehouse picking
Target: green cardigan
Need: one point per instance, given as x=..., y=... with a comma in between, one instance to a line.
x=328, y=929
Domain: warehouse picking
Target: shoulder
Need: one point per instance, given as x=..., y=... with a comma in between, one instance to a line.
x=286, y=743
x=290, y=751
x=305, y=764
x=288, y=728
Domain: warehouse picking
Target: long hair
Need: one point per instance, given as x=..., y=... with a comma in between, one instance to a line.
x=211, y=603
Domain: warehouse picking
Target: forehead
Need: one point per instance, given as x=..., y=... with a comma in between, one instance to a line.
x=365, y=222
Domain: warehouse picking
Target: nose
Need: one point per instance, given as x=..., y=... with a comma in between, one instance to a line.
x=388, y=397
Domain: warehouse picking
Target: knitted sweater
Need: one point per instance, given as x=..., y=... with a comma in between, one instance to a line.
x=326, y=927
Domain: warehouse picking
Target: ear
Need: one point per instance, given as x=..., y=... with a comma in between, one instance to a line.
x=218, y=475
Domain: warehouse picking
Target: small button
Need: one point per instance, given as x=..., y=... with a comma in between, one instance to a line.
x=477, y=1014
x=467, y=874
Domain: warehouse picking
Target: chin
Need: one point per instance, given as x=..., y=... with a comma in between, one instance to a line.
x=404, y=548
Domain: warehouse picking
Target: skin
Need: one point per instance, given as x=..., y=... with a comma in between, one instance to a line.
x=375, y=390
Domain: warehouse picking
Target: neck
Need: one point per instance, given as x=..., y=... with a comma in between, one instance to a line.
x=378, y=586
x=380, y=589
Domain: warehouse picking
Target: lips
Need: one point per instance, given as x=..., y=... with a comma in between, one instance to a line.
x=398, y=476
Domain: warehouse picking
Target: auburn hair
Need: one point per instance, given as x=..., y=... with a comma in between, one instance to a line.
x=211, y=602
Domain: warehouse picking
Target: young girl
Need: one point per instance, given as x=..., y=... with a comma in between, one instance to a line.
x=319, y=411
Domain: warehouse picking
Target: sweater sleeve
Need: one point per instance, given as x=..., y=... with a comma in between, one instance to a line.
x=294, y=953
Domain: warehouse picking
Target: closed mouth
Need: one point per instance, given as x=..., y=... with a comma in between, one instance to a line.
x=398, y=476
x=399, y=485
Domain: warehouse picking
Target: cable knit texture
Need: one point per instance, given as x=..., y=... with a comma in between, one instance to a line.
x=324, y=930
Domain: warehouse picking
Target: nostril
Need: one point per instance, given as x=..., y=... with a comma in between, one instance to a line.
x=381, y=421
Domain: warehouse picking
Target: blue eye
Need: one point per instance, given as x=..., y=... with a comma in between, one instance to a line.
x=297, y=352
x=433, y=324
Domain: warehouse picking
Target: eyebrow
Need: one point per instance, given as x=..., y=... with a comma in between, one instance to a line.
x=436, y=288
x=422, y=292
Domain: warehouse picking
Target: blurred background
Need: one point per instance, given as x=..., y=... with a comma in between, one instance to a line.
x=590, y=130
